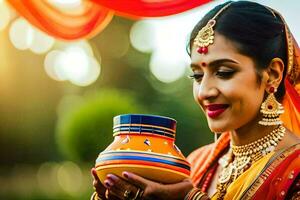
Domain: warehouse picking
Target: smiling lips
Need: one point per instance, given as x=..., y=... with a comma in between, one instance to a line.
x=214, y=110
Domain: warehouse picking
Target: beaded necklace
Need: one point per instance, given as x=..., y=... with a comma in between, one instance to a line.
x=244, y=156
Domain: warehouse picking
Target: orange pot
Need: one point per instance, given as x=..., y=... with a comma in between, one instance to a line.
x=144, y=145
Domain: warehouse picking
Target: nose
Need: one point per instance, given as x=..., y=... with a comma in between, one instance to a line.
x=206, y=89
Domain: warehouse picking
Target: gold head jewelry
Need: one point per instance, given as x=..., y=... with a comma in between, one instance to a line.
x=205, y=36
x=244, y=156
x=271, y=109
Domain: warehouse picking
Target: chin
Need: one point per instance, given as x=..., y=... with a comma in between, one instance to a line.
x=218, y=127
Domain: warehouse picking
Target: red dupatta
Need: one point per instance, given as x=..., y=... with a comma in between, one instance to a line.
x=291, y=101
x=276, y=181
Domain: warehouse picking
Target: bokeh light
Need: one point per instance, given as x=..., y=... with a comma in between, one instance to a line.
x=41, y=42
x=69, y=177
x=74, y=63
x=83, y=44
x=88, y=75
x=52, y=65
x=47, y=178
x=169, y=59
x=142, y=36
x=4, y=15
x=80, y=68
x=165, y=67
x=21, y=34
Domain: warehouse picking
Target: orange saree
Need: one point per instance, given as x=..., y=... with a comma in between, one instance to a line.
x=275, y=176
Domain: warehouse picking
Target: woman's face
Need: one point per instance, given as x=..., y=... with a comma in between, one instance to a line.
x=226, y=86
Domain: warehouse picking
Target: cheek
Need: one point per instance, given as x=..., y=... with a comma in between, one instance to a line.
x=246, y=102
x=195, y=91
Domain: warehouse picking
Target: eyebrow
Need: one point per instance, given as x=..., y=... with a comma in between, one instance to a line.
x=215, y=63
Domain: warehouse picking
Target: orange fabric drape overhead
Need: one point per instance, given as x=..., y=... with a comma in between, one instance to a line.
x=149, y=8
x=94, y=14
x=91, y=19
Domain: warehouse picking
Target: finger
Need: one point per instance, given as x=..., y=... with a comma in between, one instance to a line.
x=95, y=183
x=94, y=173
x=108, y=183
x=115, y=181
x=136, y=180
x=121, y=188
x=98, y=186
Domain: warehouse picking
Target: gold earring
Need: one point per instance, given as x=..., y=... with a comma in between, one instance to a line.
x=271, y=109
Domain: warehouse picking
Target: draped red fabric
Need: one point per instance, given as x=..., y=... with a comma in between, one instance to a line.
x=150, y=8
x=291, y=100
x=86, y=22
x=94, y=14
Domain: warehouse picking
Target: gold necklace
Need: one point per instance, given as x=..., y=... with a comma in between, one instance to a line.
x=244, y=156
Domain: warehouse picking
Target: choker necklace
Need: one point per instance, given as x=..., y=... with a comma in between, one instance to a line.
x=244, y=156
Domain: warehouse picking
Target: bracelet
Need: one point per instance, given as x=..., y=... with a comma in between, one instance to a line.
x=194, y=194
x=95, y=196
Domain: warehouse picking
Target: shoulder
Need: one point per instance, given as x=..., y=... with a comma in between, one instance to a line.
x=200, y=153
x=290, y=139
x=203, y=158
x=199, y=161
x=210, y=151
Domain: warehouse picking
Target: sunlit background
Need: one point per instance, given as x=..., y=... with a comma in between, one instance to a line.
x=58, y=98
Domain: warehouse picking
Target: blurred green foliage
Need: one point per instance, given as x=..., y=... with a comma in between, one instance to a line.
x=86, y=129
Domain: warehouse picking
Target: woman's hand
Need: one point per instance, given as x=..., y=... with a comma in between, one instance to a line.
x=99, y=188
x=132, y=186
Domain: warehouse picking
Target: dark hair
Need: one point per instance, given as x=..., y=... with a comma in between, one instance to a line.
x=255, y=31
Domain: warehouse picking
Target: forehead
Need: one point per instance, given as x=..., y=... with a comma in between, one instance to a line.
x=222, y=48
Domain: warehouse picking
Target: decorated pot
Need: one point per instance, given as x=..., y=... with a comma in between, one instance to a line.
x=144, y=145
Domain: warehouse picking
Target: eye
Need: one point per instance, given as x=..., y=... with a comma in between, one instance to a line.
x=225, y=74
x=196, y=76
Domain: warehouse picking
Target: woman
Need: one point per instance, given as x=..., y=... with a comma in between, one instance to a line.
x=245, y=66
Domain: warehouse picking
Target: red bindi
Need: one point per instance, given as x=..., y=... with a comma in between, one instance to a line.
x=203, y=64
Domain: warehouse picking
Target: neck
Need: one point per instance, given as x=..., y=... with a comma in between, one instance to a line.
x=250, y=133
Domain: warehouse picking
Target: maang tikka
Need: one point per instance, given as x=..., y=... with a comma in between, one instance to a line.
x=271, y=109
x=205, y=36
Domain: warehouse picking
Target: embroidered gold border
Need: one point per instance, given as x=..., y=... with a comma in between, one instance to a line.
x=274, y=162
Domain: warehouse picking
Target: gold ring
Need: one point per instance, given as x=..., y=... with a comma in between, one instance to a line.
x=127, y=194
x=95, y=196
x=138, y=194
x=107, y=194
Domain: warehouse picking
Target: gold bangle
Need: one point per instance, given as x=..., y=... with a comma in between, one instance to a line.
x=95, y=196
x=194, y=194
x=199, y=195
